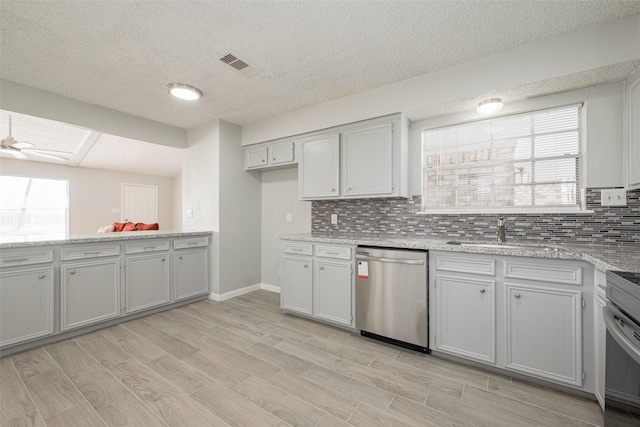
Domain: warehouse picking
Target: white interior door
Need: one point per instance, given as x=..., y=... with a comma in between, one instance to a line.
x=139, y=203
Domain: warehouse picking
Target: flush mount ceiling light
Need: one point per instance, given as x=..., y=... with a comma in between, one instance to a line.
x=184, y=91
x=490, y=106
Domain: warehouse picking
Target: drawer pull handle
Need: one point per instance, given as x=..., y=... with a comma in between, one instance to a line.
x=517, y=295
x=332, y=253
x=41, y=276
x=482, y=291
x=91, y=253
x=148, y=247
x=72, y=272
x=15, y=260
x=192, y=243
x=296, y=249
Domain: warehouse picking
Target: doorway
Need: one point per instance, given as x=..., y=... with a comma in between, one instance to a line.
x=139, y=203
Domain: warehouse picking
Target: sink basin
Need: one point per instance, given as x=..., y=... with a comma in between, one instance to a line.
x=503, y=246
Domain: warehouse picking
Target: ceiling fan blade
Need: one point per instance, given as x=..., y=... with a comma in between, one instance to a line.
x=15, y=153
x=59, y=155
x=22, y=144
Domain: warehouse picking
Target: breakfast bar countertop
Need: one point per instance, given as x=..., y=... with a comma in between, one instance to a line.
x=36, y=240
x=602, y=257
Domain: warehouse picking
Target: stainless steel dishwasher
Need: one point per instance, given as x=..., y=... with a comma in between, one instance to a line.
x=391, y=296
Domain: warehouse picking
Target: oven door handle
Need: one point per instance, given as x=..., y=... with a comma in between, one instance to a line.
x=624, y=342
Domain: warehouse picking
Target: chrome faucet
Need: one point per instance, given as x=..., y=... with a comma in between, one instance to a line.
x=501, y=233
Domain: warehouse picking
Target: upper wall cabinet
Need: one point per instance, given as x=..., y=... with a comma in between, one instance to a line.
x=633, y=135
x=270, y=155
x=361, y=160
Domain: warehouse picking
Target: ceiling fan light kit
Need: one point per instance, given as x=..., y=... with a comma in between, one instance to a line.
x=184, y=91
x=17, y=149
x=490, y=106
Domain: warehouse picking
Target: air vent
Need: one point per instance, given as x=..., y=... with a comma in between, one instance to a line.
x=239, y=64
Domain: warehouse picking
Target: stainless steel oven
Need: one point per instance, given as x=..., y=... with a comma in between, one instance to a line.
x=622, y=377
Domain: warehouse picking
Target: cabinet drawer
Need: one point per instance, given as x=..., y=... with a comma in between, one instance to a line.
x=193, y=242
x=544, y=272
x=466, y=265
x=146, y=246
x=298, y=248
x=10, y=258
x=338, y=252
x=89, y=251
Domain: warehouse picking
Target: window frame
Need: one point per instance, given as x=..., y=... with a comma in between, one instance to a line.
x=579, y=208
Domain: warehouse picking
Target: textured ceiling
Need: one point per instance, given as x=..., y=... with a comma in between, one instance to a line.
x=121, y=54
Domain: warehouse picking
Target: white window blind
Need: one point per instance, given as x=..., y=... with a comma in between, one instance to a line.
x=522, y=162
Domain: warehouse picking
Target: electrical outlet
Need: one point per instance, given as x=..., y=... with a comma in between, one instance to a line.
x=189, y=213
x=334, y=219
x=288, y=216
x=613, y=197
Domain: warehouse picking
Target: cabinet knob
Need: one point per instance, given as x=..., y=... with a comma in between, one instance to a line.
x=72, y=272
x=164, y=259
x=264, y=160
x=41, y=276
x=333, y=190
x=321, y=268
x=273, y=159
x=482, y=291
x=517, y=295
x=305, y=266
x=180, y=257
x=349, y=189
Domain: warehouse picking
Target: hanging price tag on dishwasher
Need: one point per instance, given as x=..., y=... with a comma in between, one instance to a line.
x=363, y=270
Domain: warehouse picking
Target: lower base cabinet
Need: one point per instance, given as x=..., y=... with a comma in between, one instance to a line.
x=466, y=321
x=544, y=332
x=333, y=292
x=89, y=293
x=147, y=281
x=297, y=285
x=599, y=334
x=26, y=305
x=190, y=273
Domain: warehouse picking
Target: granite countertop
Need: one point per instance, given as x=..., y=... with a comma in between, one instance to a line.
x=32, y=241
x=602, y=257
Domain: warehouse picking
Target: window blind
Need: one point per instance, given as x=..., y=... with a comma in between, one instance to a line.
x=527, y=161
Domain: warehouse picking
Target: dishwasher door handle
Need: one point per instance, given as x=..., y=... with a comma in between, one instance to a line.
x=391, y=260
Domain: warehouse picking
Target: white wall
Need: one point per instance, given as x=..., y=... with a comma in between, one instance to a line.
x=177, y=202
x=94, y=192
x=587, y=49
x=239, y=214
x=280, y=196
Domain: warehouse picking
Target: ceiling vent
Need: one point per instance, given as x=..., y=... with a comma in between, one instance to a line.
x=239, y=64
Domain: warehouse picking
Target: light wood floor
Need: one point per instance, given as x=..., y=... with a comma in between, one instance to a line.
x=243, y=363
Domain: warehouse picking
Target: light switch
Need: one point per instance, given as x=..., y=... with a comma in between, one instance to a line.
x=115, y=210
x=288, y=216
x=613, y=197
x=334, y=219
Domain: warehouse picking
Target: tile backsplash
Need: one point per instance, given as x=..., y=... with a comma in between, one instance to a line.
x=610, y=226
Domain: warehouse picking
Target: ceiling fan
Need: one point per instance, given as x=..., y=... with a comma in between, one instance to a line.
x=18, y=149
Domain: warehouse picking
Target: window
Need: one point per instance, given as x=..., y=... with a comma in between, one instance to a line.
x=524, y=162
x=33, y=206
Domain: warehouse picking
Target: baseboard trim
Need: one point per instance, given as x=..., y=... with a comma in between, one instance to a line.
x=242, y=291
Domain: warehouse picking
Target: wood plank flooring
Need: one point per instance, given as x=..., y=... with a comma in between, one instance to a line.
x=243, y=362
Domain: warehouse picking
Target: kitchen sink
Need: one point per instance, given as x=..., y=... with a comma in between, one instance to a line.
x=503, y=246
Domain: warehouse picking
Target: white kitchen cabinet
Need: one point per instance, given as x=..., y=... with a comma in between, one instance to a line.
x=270, y=155
x=599, y=334
x=89, y=292
x=466, y=317
x=147, y=281
x=544, y=332
x=633, y=134
x=26, y=304
x=367, y=161
x=319, y=167
x=333, y=291
x=255, y=157
x=297, y=285
x=190, y=273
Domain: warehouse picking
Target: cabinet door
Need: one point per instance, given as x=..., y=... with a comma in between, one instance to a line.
x=544, y=332
x=318, y=170
x=633, y=139
x=280, y=154
x=466, y=317
x=26, y=305
x=333, y=289
x=190, y=273
x=600, y=347
x=297, y=285
x=89, y=293
x=147, y=281
x=367, y=161
x=255, y=157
